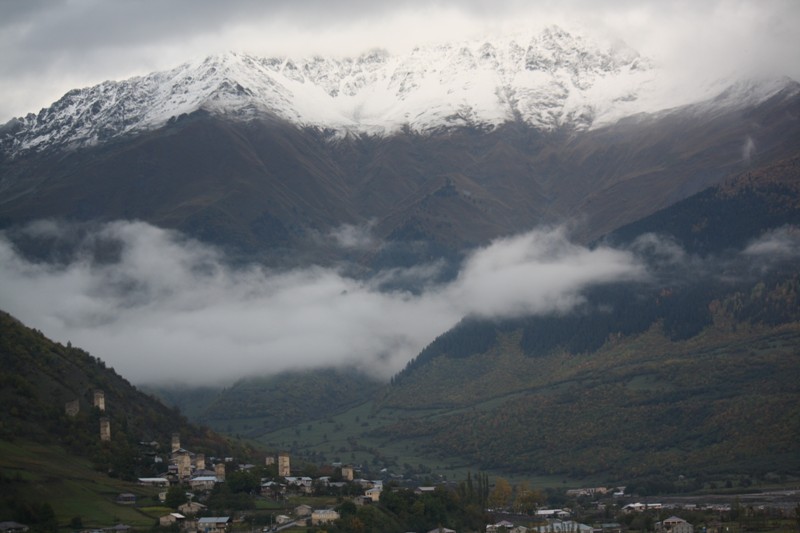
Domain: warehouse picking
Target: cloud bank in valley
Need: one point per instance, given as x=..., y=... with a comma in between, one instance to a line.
x=158, y=307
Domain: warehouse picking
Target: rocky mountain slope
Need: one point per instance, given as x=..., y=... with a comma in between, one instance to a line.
x=549, y=80
x=433, y=152
x=546, y=80
x=269, y=188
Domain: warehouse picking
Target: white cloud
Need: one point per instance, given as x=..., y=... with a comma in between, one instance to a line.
x=778, y=244
x=355, y=237
x=168, y=308
x=539, y=272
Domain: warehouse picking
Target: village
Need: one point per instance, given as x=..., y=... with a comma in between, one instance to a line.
x=277, y=496
x=188, y=470
x=191, y=489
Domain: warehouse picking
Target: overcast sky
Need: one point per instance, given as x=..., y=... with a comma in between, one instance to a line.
x=51, y=46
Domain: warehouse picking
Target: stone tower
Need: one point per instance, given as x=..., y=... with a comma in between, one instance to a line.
x=176, y=442
x=347, y=473
x=219, y=471
x=105, y=429
x=270, y=460
x=284, y=468
x=100, y=400
x=200, y=461
x=184, y=462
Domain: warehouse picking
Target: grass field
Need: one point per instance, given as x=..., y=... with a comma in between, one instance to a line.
x=39, y=473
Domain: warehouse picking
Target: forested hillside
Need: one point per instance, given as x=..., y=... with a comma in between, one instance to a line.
x=698, y=253
x=268, y=403
x=39, y=377
x=693, y=369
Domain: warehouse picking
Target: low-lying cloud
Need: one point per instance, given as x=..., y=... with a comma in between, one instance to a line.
x=158, y=307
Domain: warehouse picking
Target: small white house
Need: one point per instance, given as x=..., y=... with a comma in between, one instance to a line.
x=323, y=516
x=303, y=510
x=674, y=524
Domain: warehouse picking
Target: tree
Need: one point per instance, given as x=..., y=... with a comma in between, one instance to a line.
x=527, y=500
x=500, y=495
x=176, y=496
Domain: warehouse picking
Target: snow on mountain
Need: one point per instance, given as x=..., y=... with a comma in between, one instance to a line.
x=547, y=80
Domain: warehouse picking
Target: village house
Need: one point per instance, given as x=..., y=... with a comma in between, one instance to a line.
x=304, y=484
x=154, y=481
x=126, y=498
x=503, y=525
x=191, y=508
x=587, y=491
x=205, y=483
x=323, y=516
x=303, y=510
x=553, y=513
x=563, y=526
x=362, y=500
x=271, y=489
x=214, y=524
x=171, y=518
x=674, y=524
x=639, y=507
x=374, y=494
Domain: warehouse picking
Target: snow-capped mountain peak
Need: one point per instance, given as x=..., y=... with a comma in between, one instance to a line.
x=550, y=79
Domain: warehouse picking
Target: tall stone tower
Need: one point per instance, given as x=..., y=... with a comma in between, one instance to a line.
x=100, y=400
x=176, y=442
x=105, y=429
x=200, y=461
x=284, y=468
x=184, y=462
x=347, y=473
x=219, y=471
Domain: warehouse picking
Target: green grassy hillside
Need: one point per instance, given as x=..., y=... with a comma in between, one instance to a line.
x=40, y=476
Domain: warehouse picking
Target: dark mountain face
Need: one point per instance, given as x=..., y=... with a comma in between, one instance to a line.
x=644, y=378
x=267, y=188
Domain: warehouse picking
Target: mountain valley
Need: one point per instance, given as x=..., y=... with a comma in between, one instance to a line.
x=619, y=268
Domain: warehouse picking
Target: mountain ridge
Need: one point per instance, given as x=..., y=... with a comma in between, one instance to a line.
x=548, y=80
x=269, y=185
